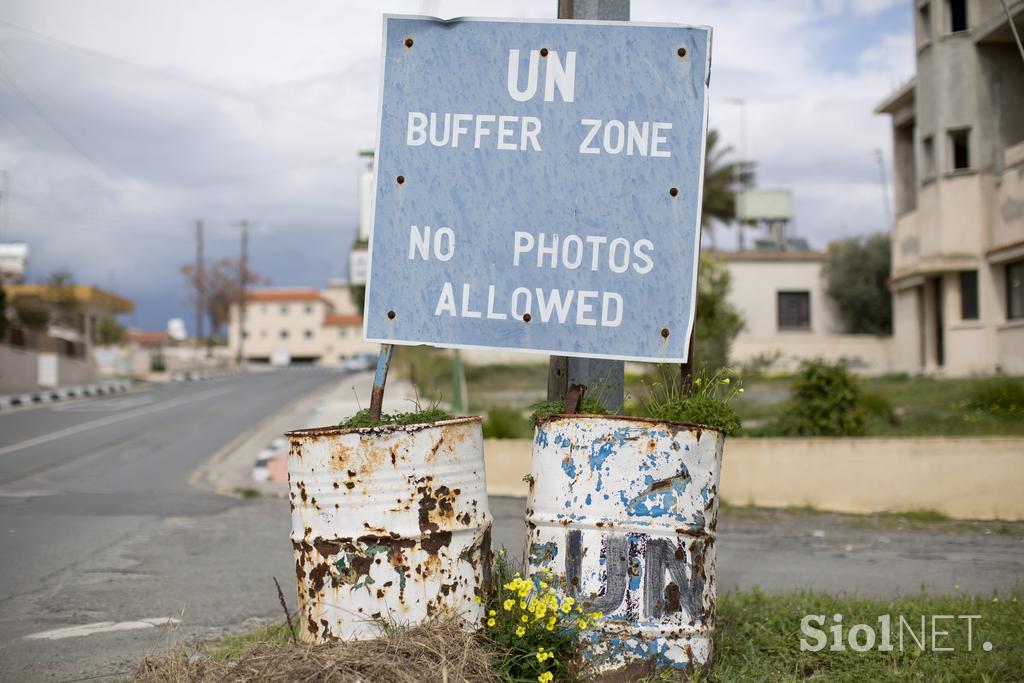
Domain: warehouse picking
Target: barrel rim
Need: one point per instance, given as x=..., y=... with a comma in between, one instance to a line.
x=647, y=420
x=381, y=430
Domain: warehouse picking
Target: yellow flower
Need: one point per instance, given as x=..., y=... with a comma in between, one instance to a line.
x=596, y=615
x=725, y=381
x=476, y=598
x=490, y=622
x=508, y=604
x=522, y=605
x=524, y=618
x=545, y=677
x=491, y=613
x=581, y=623
x=543, y=585
x=520, y=631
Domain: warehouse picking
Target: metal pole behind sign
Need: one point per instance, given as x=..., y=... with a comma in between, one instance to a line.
x=604, y=379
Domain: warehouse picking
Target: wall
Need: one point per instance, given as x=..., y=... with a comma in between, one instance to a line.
x=863, y=353
x=755, y=287
x=19, y=370
x=977, y=478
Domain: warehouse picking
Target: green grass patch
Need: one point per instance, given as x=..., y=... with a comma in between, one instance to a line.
x=247, y=492
x=425, y=416
x=758, y=634
x=898, y=405
x=232, y=647
x=758, y=638
x=542, y=410
x=917, y=516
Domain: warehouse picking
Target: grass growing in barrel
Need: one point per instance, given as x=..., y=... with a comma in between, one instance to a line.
x=421, y=416
x=707, y=405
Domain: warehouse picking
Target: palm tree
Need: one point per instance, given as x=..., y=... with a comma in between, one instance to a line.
x=722, y=180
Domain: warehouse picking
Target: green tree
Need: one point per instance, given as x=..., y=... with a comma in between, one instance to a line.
x=857, y=270
x=722, y=180
x=718, y=322
x=108, y=332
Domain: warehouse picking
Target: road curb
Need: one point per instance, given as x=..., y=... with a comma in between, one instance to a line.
x=37, y=397
x=230, y=469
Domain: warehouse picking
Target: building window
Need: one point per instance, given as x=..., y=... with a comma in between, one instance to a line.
x=928, y=156
x=924, y=22
x=245, y=334
x=959, y=148
x=283, y=334
x=308, y=309
x=308, y=334
x=263, y=308
x=342, y=332
x=969, y=295
x=1015, y=290
x=284, y=309
x=794, y=310
x=957, y=15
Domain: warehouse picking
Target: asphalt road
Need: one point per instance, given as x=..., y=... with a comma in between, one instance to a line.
x=99, y=521
x=103, y=531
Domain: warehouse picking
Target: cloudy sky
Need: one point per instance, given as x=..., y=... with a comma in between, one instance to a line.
x=124, y=121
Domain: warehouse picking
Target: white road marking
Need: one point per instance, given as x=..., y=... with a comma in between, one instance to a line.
x=105, y=405
x=77, y=429
x=102, y=627
x=29, y=493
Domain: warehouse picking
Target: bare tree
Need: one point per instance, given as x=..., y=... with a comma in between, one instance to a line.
x=220, y=288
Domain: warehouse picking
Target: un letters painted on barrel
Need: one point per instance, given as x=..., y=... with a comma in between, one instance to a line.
x=389, y=524
x=623, y=511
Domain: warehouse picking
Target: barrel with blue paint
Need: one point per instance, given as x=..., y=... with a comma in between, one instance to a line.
x=622, y=511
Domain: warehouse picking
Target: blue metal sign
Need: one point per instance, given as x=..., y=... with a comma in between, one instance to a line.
x=538, y=186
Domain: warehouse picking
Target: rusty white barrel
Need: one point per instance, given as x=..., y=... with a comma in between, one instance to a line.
x=623, y=511
x=388, y=523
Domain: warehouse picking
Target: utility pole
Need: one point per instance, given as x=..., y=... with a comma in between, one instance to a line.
x=200, y=284
x=243, y=278
x=604, y=379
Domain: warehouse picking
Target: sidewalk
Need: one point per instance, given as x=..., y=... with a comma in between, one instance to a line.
x=255, y=464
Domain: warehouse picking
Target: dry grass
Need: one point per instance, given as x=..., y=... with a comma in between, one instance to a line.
x=442, y=651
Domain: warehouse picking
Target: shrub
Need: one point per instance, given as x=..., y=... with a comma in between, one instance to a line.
x=827, y=401
x=506, y=423
x=1003, y=397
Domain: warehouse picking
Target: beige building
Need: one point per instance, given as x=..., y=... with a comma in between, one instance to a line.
x=789, y=318
x=299, y=326
x=958, y=153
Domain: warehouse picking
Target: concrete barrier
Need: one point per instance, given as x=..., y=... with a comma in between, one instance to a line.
x=965, y=478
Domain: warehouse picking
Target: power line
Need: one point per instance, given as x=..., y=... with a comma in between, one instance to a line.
x=49, y=122
x=168, y=76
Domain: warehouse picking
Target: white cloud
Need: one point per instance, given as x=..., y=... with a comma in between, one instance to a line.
x=257, y=109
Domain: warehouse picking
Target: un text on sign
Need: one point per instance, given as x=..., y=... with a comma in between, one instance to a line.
x=538, y=186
